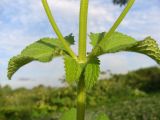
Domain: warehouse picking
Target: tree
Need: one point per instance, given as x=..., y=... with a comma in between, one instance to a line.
x=120, y=2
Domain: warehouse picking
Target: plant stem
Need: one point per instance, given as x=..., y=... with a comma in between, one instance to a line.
x=56, y=29
x=119, y=20
x=81, y=97
x=83, y=30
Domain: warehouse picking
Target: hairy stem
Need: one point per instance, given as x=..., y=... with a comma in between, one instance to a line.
x=56, y=29
x=81, y=97
x=83, y=30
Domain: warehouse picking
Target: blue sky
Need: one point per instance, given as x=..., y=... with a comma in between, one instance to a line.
x=24, y=21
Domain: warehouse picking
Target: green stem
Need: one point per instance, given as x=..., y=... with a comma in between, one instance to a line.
x=83, y=30
x=119, y=20
x=81, y=97
x=56, y=29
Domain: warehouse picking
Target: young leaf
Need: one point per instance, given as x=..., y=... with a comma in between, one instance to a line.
x=43, y=50
x=91, y=72
x=69, y=115
x=72, y=68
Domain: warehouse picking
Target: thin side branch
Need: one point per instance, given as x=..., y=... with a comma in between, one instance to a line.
x=56, y=29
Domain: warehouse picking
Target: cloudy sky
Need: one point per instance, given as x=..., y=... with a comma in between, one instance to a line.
x=24, y=21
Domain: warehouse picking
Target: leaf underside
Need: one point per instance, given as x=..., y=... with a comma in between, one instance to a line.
x=43, y=50
x=119, y=42
x=148, y=47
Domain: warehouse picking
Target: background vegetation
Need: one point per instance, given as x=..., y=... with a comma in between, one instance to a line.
x=133, y=96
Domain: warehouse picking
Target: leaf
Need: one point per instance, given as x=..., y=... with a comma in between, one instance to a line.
x=102, y=117
x=116, y=42
x=92, y=72
x=43, y=50
x=96, y=37
x=73, y=69
x=120, y=42
x=148, y=47
x=16, y=62
x=69, y=115
x=69, y=39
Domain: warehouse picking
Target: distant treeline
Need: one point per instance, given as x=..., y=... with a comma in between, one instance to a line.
x=135, y=95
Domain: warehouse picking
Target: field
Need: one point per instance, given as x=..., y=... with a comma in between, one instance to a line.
x=133, y=96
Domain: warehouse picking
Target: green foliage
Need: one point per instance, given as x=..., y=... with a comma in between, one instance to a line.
x=17, y=62
x=146, y=108
x=69, y=115
x=91, y=72
x=122, y=97
x=96, y=38
x=44, y=50
x=102, y=117
x=115, y=43
x=120, y=42
x=117, y=40
x=73, y=69
x=143, y=79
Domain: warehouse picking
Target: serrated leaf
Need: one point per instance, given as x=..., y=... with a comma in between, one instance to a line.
x=73, y=69
x=92, y=72
x=116, y=42
x=148, y=47
x=16, y=62
x=43, y=50
x=95, y=38
x=69, y=115
x=119, y=42
x=69, y=39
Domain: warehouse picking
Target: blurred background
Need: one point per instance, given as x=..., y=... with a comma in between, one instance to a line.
x=133, y=80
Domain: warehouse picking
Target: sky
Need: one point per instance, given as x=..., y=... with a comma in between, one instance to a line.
x=24, y=21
